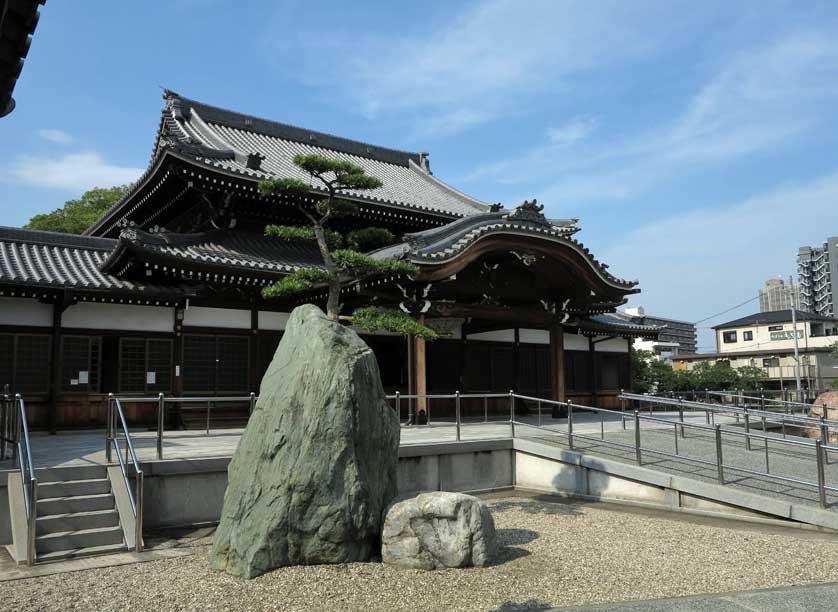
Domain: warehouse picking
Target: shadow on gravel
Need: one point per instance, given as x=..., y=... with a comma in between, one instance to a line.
x=509, y=540
x=537, y=505
x=530, y=604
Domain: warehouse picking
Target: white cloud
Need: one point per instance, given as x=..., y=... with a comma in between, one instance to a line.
x=695, y=264
x=572, y=131
x=480, y=62
x=55, y=136
x=73, y=172
x=450, y=123
x=760, y=101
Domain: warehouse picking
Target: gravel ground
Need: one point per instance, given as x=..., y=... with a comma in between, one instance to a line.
x=553, y=554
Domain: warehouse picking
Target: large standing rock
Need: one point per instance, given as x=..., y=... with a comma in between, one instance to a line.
x=830, y=400
x=437, y=530
x=316, y=466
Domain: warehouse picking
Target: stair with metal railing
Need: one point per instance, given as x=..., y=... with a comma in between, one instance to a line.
x=76, y=514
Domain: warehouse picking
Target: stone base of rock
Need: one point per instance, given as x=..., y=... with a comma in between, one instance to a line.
x=829, y=401
x=439, y=530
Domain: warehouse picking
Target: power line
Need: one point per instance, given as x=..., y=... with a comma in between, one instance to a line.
x=718, y=314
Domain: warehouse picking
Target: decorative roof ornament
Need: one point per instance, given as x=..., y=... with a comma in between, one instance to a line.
x=529, y=211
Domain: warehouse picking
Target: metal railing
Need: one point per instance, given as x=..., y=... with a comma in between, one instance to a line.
x=819, y=448
x=162, y=400
x=743, y=413
x=419, y=407
x=115, y=426
x=16, y=434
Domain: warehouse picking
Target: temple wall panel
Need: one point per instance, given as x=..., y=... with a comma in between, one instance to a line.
x=127, y=317
x=534, y=336
x=273, y=321
x=227, y=318
x=575, y=342
x=501, y=335
x=25, y=311
x=613, y=345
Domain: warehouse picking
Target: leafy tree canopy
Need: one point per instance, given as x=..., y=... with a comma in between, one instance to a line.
x=653, y=375
x=77, y=215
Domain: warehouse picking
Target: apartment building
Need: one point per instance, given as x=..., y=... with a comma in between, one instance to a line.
x=817, y=269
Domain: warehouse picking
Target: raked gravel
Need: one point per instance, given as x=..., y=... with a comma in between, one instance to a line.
x=553, y=554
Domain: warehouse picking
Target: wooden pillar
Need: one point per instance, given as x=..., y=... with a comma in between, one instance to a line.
x=421, y=375
x=253, y=372
x=557, y=381
x=55, y=362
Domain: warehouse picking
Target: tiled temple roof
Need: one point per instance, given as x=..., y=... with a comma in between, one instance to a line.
x=257, y=149
x=438, y=245
x=18, y=19
x=232, y=251
x=618, y=323
x=48, y=260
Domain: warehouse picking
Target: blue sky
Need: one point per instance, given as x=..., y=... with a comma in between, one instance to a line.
x=695, y=141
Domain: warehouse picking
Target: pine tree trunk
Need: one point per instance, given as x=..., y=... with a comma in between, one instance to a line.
x=333, y=302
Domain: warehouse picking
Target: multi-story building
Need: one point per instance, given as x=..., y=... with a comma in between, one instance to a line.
x=766, y=341
x=776, y=295
x=817, y=268
x=675, y=337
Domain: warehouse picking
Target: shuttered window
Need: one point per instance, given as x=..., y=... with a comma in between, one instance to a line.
x=145, y=365
x=80, y=364
x=24, y=363
x=215, y=364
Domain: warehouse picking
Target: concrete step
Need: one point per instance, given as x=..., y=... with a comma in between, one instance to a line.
x=74, y=472
x=76, y=521
x=64, y=555
x=80, y=503
x=73, y=488
x=74, y=540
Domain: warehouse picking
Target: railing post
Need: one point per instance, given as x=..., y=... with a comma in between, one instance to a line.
x=485, y=409
x=747, y=429
x=138, y=522
x=570, y=424
x=825, y=436
x=539, y=413
x=719, y=459
x=161, y=414
x=109, y=428
x=623, y=410
x=31, y=522
x=457, y=413
x=4, y=410
x=681, y=415
x=252, y=402
x=209, y=404
x=821, y=477
x=512, y=411
x=637, y=437
x=399, y=407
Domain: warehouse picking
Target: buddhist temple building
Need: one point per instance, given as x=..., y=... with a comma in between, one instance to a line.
x=163, y=293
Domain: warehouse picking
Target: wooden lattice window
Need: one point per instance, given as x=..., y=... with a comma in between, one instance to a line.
x=24, y=363
x=215, y=364
x=145, y=365
x=80, y=364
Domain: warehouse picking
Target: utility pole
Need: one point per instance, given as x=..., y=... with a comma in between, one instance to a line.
x=796, y=349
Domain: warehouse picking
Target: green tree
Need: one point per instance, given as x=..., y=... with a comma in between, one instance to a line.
x=77, y=215
x=342, y=265
x=751, y=378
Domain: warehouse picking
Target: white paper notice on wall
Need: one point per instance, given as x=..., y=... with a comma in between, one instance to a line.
x=74, y=382
x=177, y=370
x=84, y=377
x=151, y=378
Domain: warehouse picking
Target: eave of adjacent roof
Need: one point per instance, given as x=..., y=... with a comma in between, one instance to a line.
x=15, y=39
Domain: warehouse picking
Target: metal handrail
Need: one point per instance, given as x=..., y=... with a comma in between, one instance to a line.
x=135, y=498
x=768, y=415
x=820, y=447
x=761, y=399
x=457, y=397
x=28, y=480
